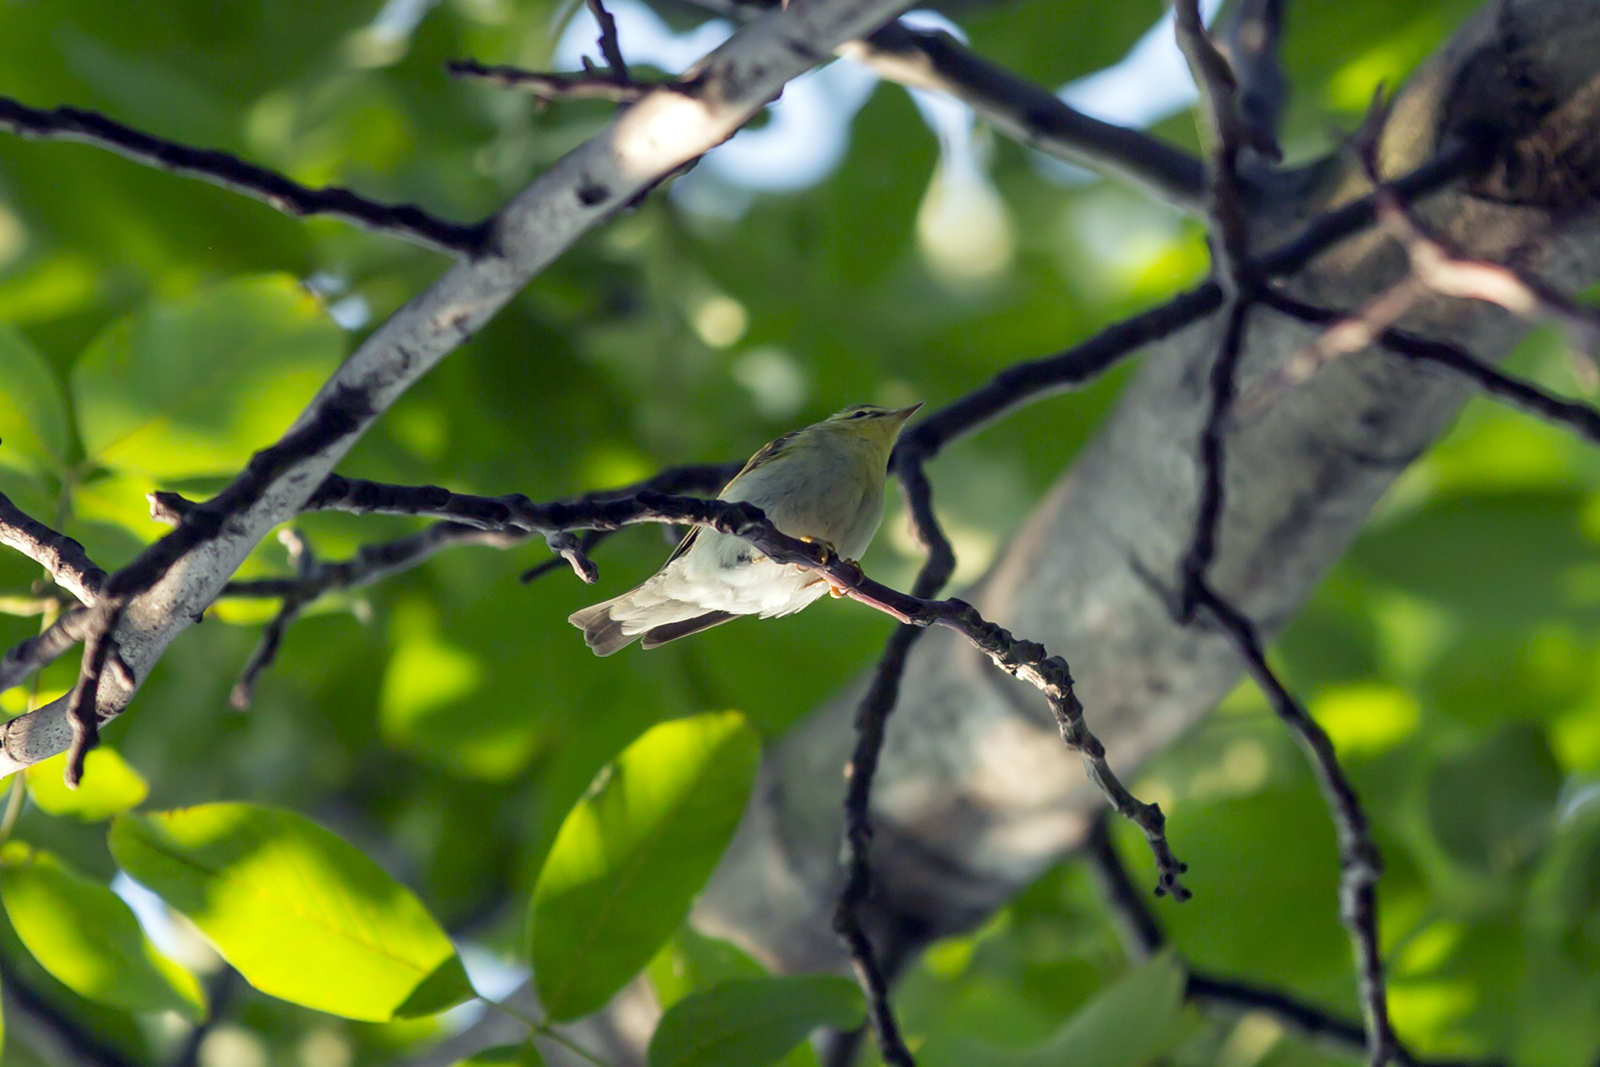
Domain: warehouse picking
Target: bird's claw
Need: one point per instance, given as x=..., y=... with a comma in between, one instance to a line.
x=829, y=553
x=837, y=589
x=830, y=557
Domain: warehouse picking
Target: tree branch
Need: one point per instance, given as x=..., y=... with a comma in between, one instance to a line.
x=1144, y=937
x=405, y=221
x=1021, y=109
x=872, y=718
x=43, y=649
x=1030, y=114
x=1581, y=418
x=1255, y=32
x=973, y=799
x=163, y=591
x=515, y=516
x=576, y=85
x=610, y=47
x=1225, y=207
x=1036, y=379
x=615, y=83
x=69, y=565
x=1360, y=863
x=372, y=563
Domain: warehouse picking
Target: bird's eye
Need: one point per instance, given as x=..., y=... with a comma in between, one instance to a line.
x=861, y=414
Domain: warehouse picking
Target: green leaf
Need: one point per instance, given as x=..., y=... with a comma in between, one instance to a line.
x=300, y=913
x=632, y=854
x=523, y=1055
x=1493, y=806
x=109, y=785
x=690, y=961
x=752, y=1022
x=33, y=416
x=1128, y=1024
x=440, y=990
x=88, y=938
x=194, y=386
x=117, y=1029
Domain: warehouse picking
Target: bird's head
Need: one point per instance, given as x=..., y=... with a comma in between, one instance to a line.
x=869, y=422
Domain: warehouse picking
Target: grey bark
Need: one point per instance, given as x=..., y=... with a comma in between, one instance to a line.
x=976, y=795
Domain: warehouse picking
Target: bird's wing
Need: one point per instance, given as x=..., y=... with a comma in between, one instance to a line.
x=768, y=452
x=683, y=546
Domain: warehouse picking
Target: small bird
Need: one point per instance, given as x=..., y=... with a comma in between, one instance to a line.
x=823, y=483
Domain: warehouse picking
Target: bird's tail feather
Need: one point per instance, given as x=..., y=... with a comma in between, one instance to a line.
x=600, y=631
x=657, y=636
x=662, y=620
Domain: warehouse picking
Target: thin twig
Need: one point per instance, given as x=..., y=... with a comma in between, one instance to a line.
x=1137, y=921
x=610, y=47
x=406, y=221
x=545, y=1030
x=1031, y=114
x=472, y=522
x=1225, y=207
x=514, y=517
x=1023, y=383
x=1438, y=269
x=1360, y=862
x=1581, y=418
x=1145, y=937
x=371, y=563
x=1202, y=548
x=870, y=723
x=1447, y=272
x=305, y=563
x=547, y=86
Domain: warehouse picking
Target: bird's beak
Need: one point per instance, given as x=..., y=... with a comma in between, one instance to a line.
x=905, y=413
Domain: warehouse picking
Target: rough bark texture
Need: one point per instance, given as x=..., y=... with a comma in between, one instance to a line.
x=976, y=795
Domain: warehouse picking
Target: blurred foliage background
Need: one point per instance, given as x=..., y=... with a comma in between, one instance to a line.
x=446, y=720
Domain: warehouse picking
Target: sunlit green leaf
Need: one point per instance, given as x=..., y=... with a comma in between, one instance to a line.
x=301, y=914
x=631, y=855
x=109, y=785
x=751, y=1022
x=33, y=415
x=194, y=386
x=88, y=938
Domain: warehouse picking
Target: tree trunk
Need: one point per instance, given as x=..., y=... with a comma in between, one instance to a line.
x=976, y=795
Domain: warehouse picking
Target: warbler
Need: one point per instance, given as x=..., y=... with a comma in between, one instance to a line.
x=823, y=483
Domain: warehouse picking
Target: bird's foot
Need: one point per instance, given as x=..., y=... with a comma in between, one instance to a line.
x=831, y=557
x=836, y=589
x=829, y=553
